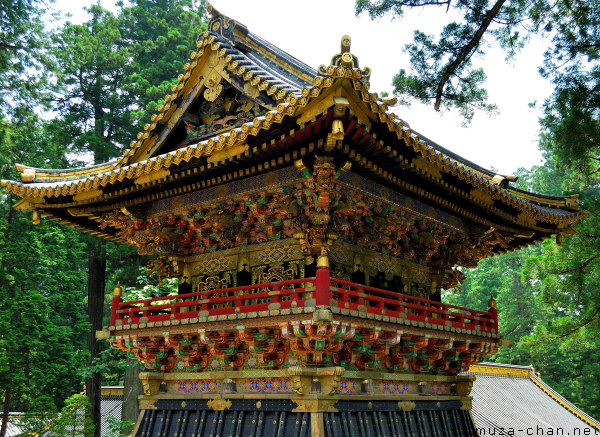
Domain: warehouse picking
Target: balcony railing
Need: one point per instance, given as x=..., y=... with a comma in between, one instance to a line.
x=298, y=293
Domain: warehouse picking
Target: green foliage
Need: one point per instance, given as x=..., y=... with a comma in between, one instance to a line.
x=160, y=36
x=42, y=326
x=570, y=276
x=72, y=420
x=41, y=414
x=548, y=295
x=110, y=363
x=148, y=286
x=42, y=282
x=106, y=72
x=93, y=70
x=429, y=61
x=116, y=428
x=24, y=62
x=443, y=67
x=43, y=419
x=518, y=312
x=569, y=364
x=548, y=298
x=571, y=125
x=114, y=69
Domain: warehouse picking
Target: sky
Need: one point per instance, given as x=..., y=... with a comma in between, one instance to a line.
x=311, y=31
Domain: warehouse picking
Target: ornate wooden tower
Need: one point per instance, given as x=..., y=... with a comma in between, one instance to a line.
x=312, y=232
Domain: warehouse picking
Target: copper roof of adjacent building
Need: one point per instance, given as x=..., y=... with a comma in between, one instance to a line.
x=515, y=398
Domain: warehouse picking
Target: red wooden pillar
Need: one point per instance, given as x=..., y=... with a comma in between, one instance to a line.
x=323, y=282
x=116, y=301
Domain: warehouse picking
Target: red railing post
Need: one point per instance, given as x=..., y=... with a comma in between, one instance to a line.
x=238, y=302
x=116, y=301
x=276, y=298
x=323, y=282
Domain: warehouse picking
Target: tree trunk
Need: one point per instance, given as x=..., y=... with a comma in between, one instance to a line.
x=517, y=287
x=133, y=388
x=96, y=285
x=5, y=412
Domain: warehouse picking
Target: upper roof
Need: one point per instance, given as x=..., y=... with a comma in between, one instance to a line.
x=288, y=111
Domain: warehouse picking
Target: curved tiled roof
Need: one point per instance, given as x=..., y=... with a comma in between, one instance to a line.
x=515, y=397
x=293, y=88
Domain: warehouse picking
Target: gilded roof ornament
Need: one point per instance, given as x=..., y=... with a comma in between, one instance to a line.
x=233, y=31
x=346, y=59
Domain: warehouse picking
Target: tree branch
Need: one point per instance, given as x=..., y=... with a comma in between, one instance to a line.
x=582, y=324
x=474, y=42
x=9, y=46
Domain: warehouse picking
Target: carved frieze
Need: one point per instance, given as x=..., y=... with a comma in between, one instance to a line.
x=308, y=344
x=318, y=211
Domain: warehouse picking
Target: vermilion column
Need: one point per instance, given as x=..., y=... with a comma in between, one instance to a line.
x=116, y=301
x=323, y=282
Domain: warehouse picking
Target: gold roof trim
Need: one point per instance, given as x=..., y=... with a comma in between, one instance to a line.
x=209, y=147
x=500, y=370
x=569, y=202
x=294, y=104
x=31, y=174
x=478, y=180
x=206, y=148
x=206, y=45
x=562, y=401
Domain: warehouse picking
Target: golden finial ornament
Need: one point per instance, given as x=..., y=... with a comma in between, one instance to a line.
x=492, y=301
x=118, y=291
x=345, y=44
x=341, y=63
x=323, y=262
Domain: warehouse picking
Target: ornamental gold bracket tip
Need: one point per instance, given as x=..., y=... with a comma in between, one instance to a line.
x=344, y=168
x=492, y=302
x=337, y=129
x=36, y=217
x=389, y=101
x=212, y=10
x=503, y=180
x=27, y=174
x=340, y=105
x=559, y=239
x=301, y=166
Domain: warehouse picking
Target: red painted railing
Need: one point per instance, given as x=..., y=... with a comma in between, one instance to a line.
x=295, y=293
x=377, y=301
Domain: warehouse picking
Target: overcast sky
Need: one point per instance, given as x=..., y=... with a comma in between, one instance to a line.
x=311, y=31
